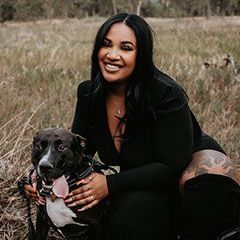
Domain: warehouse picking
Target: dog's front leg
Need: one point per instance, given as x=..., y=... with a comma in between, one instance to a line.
x=42, y=225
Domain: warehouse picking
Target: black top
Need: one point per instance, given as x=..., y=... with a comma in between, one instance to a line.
x=155, y=150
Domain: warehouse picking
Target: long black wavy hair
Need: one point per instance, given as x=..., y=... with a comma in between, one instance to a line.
x=143, y=74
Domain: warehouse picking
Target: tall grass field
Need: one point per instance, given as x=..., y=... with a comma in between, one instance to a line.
x=42, y=63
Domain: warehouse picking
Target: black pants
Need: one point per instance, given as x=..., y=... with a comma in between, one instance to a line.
x=142, y=215
x=210, y=206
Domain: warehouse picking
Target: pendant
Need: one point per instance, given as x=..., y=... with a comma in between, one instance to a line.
x=53, y=197
x=118, y=113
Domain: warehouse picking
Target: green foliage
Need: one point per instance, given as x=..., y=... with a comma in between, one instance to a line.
x=207, y=7
x=37, y=9
x=7, y=11
x=28, y=9
x=85, y=7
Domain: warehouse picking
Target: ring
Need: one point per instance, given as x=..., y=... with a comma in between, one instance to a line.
x=90, y=178
x=92, y=197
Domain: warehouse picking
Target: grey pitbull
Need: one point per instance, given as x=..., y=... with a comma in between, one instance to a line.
x=57, y=155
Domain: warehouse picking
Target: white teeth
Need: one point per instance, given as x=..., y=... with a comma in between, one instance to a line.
x=112, y=68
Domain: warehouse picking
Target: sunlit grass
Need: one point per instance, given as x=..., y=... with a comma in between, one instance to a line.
x=41, y=64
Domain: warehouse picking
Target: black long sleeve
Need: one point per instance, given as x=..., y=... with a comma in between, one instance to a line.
x=151, y=162
x=172, y=144
x=81, y=122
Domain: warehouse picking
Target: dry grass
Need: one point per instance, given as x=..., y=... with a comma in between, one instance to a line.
x=41, y=64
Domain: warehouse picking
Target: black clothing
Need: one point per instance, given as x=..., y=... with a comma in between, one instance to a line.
x=210, y=206
x=154, y=152
x=146, y=159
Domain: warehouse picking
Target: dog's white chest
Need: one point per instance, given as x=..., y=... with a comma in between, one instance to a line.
x=59, y=213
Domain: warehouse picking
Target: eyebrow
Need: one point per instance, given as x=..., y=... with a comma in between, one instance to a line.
x=123, y=42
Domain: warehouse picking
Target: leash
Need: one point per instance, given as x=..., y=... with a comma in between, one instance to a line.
x=26, y=181
x=99, y=166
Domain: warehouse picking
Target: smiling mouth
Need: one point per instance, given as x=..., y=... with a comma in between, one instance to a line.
x=112, y=67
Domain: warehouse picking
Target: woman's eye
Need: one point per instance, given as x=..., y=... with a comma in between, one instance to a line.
x=106, y=43
x=127, y=48
x=62, y=148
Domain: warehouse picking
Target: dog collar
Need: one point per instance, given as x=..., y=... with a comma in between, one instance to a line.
x=46, y=189
x=71, y=179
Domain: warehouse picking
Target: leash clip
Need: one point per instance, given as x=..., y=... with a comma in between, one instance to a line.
x=46, y=191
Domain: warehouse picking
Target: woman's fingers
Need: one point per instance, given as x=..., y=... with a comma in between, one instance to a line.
x=30, y=191
x=41, y=200
x=91, y=190
x=86, y=180
x=87, y=184
x=90, y=205
x=83, y=201
x=82, y=189
x=34, y=178
x=79, y=196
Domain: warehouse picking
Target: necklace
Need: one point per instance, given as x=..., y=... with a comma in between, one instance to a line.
x=119, y=109
x=116, y=117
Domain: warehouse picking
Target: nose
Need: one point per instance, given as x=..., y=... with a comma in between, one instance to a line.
x=113, y=54
x=46, y=167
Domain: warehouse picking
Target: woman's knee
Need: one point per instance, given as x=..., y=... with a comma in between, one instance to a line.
x=208, y=162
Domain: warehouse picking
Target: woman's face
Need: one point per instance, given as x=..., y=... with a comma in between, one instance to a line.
x=117, y=56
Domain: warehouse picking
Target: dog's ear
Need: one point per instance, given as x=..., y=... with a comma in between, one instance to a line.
x=34, y=152
x=35, y=136
x=81, y=141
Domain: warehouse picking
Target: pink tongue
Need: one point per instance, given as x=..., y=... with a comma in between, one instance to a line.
x=60, y=187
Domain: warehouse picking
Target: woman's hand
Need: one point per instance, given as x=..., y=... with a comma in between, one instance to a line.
x=91, y=191
x=31, y=190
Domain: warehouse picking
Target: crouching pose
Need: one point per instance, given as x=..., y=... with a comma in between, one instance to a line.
x=210, y=195
x=136, y=117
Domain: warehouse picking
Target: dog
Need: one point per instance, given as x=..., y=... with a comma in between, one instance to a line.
x=57, y=156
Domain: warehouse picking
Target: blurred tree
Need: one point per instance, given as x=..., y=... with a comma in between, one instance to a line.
x=85, y=8
x=139, y=7
x=208, y=9
x=133, y=6
x=228, y=7
x=59, y=8
x=7, y=11
x=114, y=6
x=104, y=7
x=35, y=9
x=28, y=9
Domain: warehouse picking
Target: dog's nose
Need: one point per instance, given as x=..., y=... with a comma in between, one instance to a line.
x=46, y=167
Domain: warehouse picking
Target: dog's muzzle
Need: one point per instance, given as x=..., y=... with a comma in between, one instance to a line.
x=60, y=187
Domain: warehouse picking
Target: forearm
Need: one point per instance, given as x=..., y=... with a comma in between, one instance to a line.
x=153, y=177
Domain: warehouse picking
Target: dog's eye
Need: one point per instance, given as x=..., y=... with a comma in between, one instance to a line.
x=38, y=147
x=62, y=148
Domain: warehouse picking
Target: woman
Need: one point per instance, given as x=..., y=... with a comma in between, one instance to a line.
x=138, y=118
